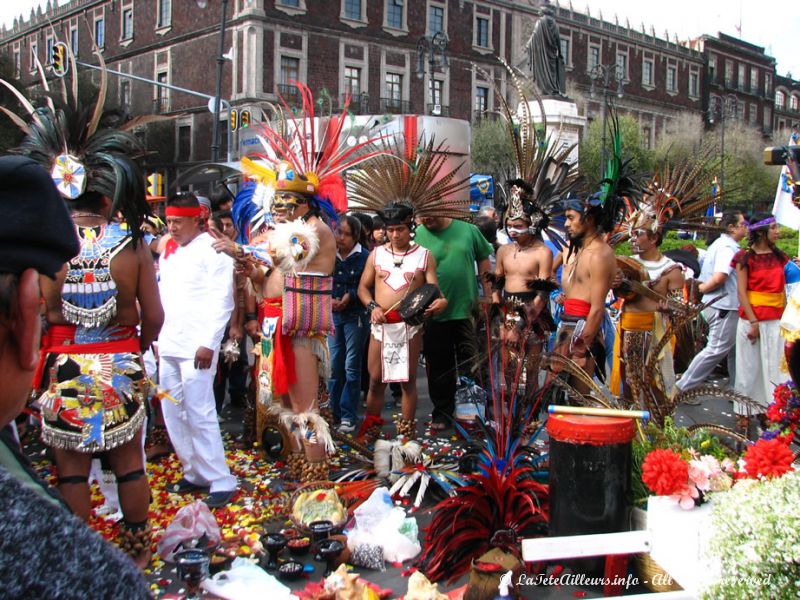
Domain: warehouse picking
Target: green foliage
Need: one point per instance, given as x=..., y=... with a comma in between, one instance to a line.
x=632, y=148
x=492, y=152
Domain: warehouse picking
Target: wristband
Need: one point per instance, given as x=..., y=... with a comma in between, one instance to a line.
x=372, y=305
x=251, y=316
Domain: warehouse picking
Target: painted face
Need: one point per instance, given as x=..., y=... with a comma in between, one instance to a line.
x=641, y=241
x=517, y=228
x=285, y=205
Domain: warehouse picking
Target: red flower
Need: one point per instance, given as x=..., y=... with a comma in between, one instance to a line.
x=768, y=458
x=665, y=472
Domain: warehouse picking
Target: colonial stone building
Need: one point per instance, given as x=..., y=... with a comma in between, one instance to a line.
x=375, y=52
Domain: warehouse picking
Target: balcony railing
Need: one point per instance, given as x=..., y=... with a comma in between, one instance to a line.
x=290, y=94
x=394, y=106
x=438, y=110
x=161, y=106
x=359, y=103
x=484, y=115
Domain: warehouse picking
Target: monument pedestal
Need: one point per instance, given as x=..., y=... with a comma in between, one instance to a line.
x=564, y=124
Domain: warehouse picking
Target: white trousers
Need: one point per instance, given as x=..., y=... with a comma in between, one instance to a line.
x=758, y=366
x=192, y=424
x=721, y=339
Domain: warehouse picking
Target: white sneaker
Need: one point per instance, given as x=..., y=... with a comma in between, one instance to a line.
x=346, y=427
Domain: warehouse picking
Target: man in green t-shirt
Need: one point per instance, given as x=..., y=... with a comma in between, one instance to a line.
x=450, y=342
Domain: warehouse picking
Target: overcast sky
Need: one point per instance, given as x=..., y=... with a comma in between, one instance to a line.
x=773, y=24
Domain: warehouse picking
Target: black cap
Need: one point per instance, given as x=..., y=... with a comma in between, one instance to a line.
x=36, y=231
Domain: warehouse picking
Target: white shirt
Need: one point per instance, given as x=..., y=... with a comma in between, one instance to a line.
x=196, y=288
x=718, y=260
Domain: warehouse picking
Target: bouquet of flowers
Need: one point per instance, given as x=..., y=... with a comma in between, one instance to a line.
x=755, y=529
x=783, y=415
x=686, y=476
x=674, y=461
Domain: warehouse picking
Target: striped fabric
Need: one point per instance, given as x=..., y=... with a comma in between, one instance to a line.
x=307, y=305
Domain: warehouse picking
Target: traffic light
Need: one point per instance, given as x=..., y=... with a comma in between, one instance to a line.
x=155, y=185
x=244, y=119
x=59, y=59
x=234, y=119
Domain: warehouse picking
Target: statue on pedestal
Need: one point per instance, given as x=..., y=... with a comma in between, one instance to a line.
x=544, y=56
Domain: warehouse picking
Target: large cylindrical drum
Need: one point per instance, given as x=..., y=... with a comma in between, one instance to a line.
x=590, y=466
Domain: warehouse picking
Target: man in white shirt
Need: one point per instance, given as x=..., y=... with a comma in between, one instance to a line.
x=718, y=277
x=197, y=294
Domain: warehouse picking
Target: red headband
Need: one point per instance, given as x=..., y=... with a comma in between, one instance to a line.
x=183, y=211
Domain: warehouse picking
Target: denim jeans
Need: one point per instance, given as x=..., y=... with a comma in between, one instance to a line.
x=347, y=346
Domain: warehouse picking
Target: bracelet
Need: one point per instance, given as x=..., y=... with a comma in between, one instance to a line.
x=372, y=305
x=754, y=322
x=250, y=316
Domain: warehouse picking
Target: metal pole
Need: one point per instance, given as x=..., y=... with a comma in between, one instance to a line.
x=722, y=148
x=217, y=98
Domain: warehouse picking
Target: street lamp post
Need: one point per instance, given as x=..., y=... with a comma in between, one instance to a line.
x=432, y=46
x=725, y=107
x=607, y=77
x=218, y=90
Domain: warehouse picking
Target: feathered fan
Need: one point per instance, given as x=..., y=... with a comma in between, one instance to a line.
x=421, y=182
x=543, y=163
x=77, y=141
x=681, y=191
x=501, y=495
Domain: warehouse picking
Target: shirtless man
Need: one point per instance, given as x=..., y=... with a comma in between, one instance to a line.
x=588, y=272
x=642, y=322
x=523, y=261
x=83, y=412
x=300, y=357
x=393, y=270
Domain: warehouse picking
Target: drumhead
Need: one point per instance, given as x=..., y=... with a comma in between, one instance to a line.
x=413, y=306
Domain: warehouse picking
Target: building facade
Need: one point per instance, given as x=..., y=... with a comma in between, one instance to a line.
x=374, y=52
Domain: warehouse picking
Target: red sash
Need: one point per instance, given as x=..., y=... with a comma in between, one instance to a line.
x=576, y=308
x=60, y=340
x=393, y=316
x=283, y=373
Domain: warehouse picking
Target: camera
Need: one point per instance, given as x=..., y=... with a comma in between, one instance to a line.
x=777, y=155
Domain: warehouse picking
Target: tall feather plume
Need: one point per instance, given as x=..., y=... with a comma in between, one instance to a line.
x=421, y=182
x=543, y=162
x=620, y=189
x=66, y=126
x=675, y=191
x=294, y=139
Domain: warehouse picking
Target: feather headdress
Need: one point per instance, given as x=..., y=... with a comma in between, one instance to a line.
x=420, y=184
x=620, y=189
x=308, y=155
x=82, y=149
x=545, y=173
x=681, y=191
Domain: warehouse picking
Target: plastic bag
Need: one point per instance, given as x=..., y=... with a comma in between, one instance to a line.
x=193, y=521
x=246, y=581
x=470, y=400
x=380, y=523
